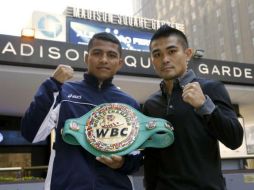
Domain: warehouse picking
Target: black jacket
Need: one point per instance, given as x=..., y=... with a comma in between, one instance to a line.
x=193, y=161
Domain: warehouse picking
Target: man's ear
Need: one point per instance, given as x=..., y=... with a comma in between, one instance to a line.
x=86, y=58
x=189, y=53
x=121, y=62
x=151, y=60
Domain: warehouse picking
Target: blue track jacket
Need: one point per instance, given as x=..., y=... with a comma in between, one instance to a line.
x=72, y=167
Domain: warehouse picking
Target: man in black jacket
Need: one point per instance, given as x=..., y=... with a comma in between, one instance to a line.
x=200, y=111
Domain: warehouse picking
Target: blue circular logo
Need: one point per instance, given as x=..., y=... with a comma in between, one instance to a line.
x=50, y=26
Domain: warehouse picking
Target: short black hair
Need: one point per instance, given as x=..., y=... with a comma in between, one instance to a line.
x=106, y=37
x=166, y=31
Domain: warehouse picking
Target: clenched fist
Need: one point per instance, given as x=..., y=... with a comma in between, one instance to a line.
x=193, y=94
x=63, y=73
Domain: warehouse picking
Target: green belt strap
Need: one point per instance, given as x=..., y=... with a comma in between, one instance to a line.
x=116, y=128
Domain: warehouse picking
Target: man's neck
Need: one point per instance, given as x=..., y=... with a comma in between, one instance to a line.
x=170, y=83
x=169, y=86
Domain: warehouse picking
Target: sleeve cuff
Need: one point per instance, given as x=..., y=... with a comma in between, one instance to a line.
x=57, y=83
x=207, y=108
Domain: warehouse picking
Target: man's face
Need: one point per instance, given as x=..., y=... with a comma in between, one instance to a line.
x=169, y=58
x=103, y=60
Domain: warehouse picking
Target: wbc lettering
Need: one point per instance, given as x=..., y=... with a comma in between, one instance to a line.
x=111, y=132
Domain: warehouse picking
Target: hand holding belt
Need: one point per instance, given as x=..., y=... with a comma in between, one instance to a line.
x=116, y=128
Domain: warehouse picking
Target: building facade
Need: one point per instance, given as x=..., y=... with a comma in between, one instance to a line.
x=223, y=28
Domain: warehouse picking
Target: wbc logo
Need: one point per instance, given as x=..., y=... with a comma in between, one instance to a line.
x=112, y=128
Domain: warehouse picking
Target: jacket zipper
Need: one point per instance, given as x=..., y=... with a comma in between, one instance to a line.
x=100, y=85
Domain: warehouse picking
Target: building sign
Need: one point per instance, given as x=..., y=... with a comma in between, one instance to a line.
x=136, y=22
x=39, y=53
x=228, y=72
x=81, y=31
x=49, y=54
x=49, y=26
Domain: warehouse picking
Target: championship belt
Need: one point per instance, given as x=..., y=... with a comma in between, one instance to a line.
x=116, y=128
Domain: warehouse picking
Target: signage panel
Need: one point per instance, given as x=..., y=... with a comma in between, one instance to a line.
x=49, y=54
x=226, y=71
x=49, y=26
x=81, y=31
x=39, y=53
x=133, y=22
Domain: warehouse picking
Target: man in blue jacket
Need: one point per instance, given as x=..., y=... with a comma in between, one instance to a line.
x=72, y=167
x=200, y=111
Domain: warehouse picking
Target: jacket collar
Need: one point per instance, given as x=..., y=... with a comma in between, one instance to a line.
x=188, y=77
x=93, y=81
